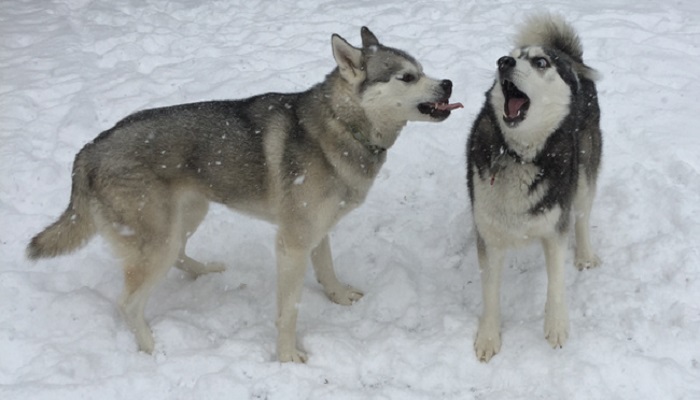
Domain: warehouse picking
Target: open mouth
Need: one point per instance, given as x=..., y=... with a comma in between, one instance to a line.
x=440, y=109
x=516, y=104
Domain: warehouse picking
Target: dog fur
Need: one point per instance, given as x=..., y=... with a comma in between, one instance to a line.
x=533, y=157
x=299, y=160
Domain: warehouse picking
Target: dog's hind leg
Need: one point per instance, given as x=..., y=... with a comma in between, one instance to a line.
x=147, y=257
x=488, y=337
x=140, y=276
x=193, y=209
x=556, y=318
x=144, y=227
x=322, y=261
x=585, y=257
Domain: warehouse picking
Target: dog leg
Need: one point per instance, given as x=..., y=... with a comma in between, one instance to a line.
x=141, y=275
x=585, y=258
x=556, y=319
x=142, y=223
x=291, y=264
x=488, y=337
x=132, y=305
x=323, y=266
x=193, y=210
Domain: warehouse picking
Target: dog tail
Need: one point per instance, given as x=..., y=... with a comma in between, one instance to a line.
x=550, y=30
x=75, y=226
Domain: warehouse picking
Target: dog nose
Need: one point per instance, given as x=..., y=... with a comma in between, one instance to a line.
x=446, y=85
x=506, y=63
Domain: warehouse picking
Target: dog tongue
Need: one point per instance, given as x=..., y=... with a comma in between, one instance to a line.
x=448, y=107
x=514, y=106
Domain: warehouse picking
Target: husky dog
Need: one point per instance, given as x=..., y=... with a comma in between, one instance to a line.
x=299, y=160
x=532, y=158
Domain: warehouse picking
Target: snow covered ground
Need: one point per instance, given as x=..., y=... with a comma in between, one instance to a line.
x=72, y=68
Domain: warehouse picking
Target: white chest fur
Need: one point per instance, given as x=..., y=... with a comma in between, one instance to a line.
x=503, y=202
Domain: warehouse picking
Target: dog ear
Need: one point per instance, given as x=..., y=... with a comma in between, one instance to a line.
x=588, y=72
x=368, y=38
x=349, y=60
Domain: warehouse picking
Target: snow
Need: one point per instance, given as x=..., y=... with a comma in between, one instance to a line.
x=72, y=68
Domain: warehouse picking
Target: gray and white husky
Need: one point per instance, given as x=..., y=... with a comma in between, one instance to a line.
x=532, y=158
x=299, y=160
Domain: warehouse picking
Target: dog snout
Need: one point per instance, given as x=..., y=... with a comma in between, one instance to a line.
x=506, y=63
x=446, y=85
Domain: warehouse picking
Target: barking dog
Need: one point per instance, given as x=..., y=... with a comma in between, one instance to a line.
x=532, y=158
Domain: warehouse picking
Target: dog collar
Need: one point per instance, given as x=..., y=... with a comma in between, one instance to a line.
x=363, y=140
x=496, y=166
x=515, y=156
x=507, y=151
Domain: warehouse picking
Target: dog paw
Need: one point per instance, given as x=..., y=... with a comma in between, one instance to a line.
x=556, y=328
x=196, y=268
x=587, y=262
x=487, y=343
x=345, y=295
x=214, y=267
x=295, y=355
x=145, y=341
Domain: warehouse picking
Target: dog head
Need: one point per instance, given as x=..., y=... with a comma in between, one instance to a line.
x=389, y=83
x=538, y=83
x=532, y=93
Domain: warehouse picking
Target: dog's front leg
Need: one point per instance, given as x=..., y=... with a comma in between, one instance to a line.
x=322, y=261
x=292, y=259
x=488, y=337
x=556, y=319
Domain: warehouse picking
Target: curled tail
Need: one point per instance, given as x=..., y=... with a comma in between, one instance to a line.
x=74, y=227
x=550, y=30
x=553, y=31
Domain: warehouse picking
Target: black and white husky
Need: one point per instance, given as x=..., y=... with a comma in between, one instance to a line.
x=532, y=158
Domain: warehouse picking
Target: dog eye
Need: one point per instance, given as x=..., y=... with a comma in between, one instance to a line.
x=407, y=77
x=541, y=63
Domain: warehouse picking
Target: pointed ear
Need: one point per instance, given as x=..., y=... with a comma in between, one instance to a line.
x=589, y=73
x=368, y=38
x=349, y=60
